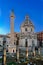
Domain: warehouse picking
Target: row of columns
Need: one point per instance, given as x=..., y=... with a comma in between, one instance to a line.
x=34, y=51
x=17, y=51
x=26, y=45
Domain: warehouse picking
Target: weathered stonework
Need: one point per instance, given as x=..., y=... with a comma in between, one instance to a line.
x=27, y=32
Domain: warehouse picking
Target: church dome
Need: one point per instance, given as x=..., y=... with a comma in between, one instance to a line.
x=27, y=22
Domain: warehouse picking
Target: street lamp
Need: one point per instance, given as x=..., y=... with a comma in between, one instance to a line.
x=4, y=52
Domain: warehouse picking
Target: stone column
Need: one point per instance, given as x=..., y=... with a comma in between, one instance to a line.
x=34, y=52
x=39, y=51
x=26, y=52
x=4, y=52
x=12, y=17
x=12, y=27
x=26, y=45
x=17, y=53
x=17, y=49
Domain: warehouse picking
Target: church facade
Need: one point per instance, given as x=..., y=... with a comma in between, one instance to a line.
x=26, y=34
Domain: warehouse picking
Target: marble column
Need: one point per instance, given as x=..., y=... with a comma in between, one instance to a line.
x=26, y=45
x=17, y=49
x=34, y=52
x=4, y=52
x=39, y=51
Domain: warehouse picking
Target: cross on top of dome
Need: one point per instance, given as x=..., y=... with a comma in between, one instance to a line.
x=27, y=22
x=26, y=17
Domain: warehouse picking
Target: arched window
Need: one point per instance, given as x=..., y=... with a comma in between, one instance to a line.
x=40, y=43
x=14, y=43
x=7, y=45
x=33, y=44
x=25, y=29
x=26, y=43
x=31, y=29
x=13, y=50
x=7, y=50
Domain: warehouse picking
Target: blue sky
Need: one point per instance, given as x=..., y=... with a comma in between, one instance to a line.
x=34, y=8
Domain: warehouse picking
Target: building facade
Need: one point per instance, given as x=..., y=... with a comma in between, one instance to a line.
x=40, y=39
x=26, y=34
